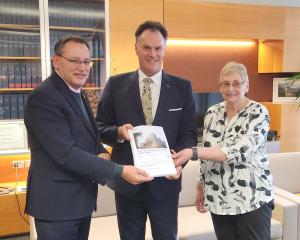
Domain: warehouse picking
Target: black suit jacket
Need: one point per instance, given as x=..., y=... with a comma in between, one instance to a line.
x=64, y=171
x=121, y=104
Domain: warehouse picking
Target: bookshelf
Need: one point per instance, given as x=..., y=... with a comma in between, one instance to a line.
x=28, y=31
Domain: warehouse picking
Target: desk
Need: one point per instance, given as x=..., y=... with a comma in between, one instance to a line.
x=11, y=223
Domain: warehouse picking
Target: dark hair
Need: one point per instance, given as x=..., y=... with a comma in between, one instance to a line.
x=65, y=39
x=152, y=26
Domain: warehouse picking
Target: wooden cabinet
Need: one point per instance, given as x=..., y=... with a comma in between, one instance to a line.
x=13, y=221
x=124, y=18
x=284, y=118
x=276, y=28
x=291, y=56
x=201, y=19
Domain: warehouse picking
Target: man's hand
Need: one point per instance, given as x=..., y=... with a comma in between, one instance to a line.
x=123, y=132
x=104, y=156
x=135, y=175
x=181, y=157
x=177, y=175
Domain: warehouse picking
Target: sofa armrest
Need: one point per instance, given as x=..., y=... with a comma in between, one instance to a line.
x=285, y=211
x=293, y=198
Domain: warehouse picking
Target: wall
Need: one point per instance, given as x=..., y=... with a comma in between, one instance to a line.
x=202, y=64
x=185, y=20
x=124, y=17
x=291, y=3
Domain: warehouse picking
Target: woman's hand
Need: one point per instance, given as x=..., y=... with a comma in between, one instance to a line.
x=182, y=156
x=199, y=201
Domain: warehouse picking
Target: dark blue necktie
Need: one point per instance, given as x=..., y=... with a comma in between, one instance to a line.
x=80, y=102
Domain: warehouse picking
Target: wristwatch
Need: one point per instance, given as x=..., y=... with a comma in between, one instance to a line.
x=195, y=154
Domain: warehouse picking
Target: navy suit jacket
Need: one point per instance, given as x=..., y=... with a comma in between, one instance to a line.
x=64, y=172
x=121, y=104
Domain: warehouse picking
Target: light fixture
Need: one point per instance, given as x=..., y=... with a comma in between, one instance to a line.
x=209, y=42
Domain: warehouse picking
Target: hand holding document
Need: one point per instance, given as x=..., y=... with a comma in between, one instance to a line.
x=151, y=151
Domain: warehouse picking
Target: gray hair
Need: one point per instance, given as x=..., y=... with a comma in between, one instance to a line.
x=234, y=67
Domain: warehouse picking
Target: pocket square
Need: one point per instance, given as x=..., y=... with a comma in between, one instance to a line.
x=175, y=109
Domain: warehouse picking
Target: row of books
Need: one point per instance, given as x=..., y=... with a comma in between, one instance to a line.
x=22, y=45
x=28, y=75
x=94, y=78
x=19, y=12
x=61, y=13
x=85, y=14
x=95, y=41
x=20, y=75
x=12, y=105
x=19, y=44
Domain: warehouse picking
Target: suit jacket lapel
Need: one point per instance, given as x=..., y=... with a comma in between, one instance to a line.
x=135, y=97
x=89, y=110
x=162, y=106
x=62, y=86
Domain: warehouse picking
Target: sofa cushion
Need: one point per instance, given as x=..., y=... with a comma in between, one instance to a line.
x=285, y=169
x=107, y=228
x=193, y=225
x=105, y=202
x=189, y=183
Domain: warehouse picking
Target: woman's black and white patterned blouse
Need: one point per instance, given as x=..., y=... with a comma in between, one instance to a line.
x=243, y=182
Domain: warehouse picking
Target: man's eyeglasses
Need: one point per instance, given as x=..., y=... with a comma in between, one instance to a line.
x=76, y=62
x=236, y=85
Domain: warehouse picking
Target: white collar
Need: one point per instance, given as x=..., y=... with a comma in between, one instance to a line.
x=156, y=78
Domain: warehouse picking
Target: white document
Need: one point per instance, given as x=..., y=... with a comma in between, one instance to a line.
x=13, y=135
x=151, y=151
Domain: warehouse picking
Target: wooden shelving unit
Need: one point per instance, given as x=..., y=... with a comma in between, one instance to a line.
x=77, y=29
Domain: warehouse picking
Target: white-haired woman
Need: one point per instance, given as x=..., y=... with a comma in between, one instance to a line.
x=235, y=182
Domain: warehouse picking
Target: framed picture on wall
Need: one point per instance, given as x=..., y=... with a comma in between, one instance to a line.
x=285, y=90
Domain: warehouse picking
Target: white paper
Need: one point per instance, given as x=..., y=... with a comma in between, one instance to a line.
x=13, y=135
x=151, y=151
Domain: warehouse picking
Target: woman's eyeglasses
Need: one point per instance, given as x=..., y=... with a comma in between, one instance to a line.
x=236, y=85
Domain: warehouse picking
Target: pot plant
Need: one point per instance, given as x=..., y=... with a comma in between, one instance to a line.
x=293, y=80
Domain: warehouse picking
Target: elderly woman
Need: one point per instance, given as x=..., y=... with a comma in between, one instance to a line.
x=235, y=183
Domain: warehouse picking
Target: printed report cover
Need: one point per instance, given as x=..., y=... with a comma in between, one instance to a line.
x=151, y=151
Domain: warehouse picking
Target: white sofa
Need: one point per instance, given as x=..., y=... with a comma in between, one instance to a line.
x=286, y=177
x=192, y=225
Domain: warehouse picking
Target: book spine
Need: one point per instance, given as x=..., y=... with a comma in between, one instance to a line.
x=18, y=81
x=28, y=75
x=13, y=106
x=34, y=82
x=4, y=73
x=23, y=75
x=1, y=106
x=6, y=104
x=11, y=75
x=20, y=105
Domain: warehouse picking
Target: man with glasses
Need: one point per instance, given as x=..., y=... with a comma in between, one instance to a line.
x=65, y=170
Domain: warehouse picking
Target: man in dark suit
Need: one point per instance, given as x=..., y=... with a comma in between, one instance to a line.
x=65, y=169
x=127, y=101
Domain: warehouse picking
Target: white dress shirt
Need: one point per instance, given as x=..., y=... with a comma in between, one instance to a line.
x=155, y=88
